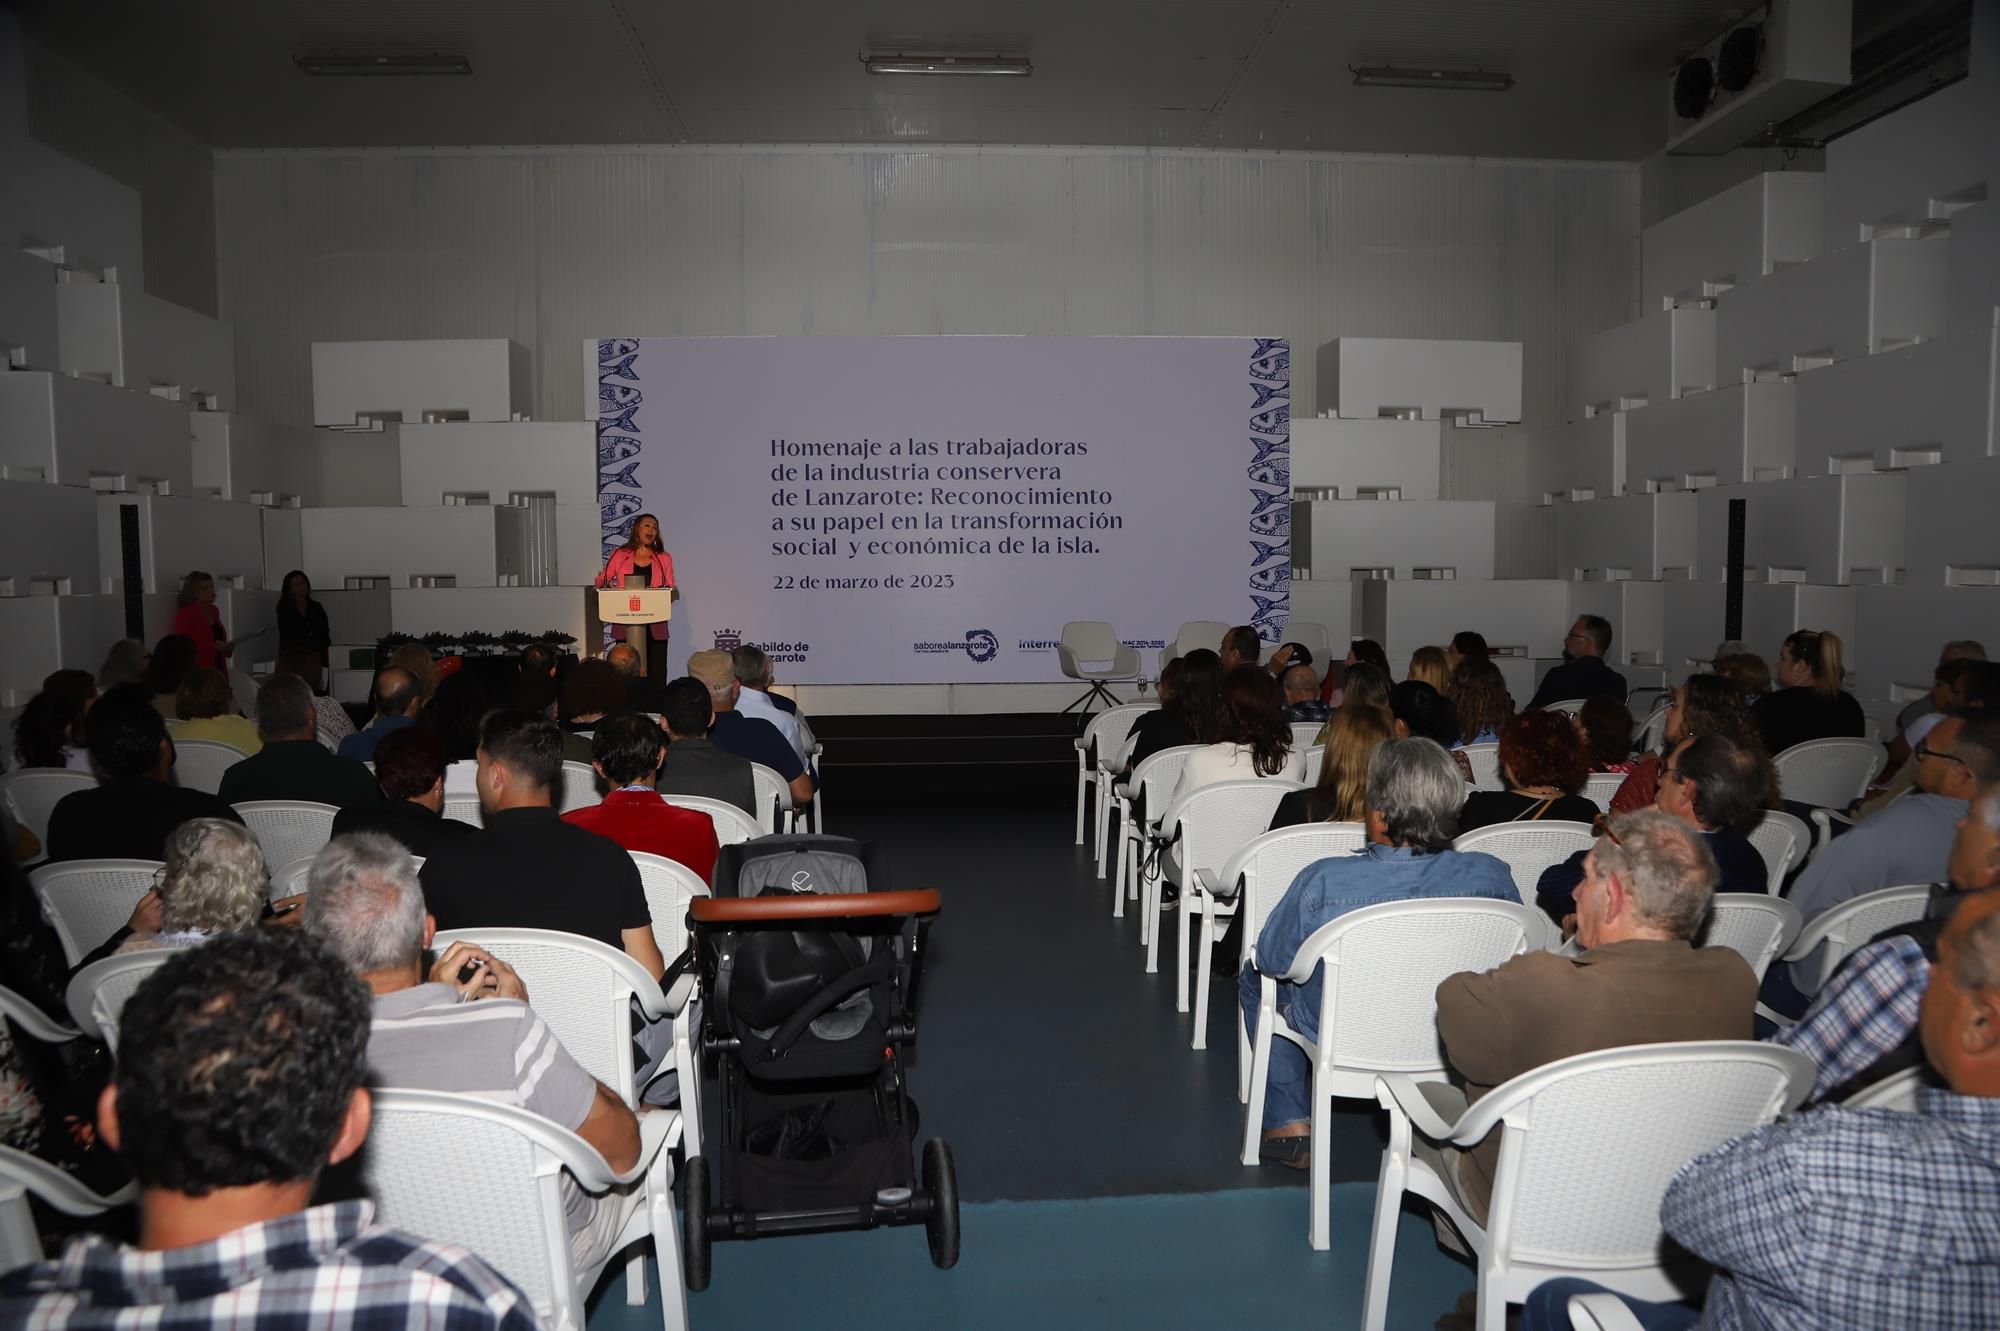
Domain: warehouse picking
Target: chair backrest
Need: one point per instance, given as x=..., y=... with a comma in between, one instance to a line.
x=1561, y=1198
x=774, y=796
x=732, y=825
x=1758, y=926
x=669, y=885
x=1305, y=732
x=1315, y=638
x=97, y=994
x=1568, y=706
x=1383, y=964
x=1833, y=934
x=1315, y=763
x=1782, y=840
x=461, y=776
x=1159, y=774
x=1828, y=773
x=1109, y=730
x=1221, y=818
x=1196, y=634
x=1650, y=730
x=1529, y=848
x=1090, y=639
x=1485, y=760
x=579, y=787
x=461, y=807
x=1897, y=1092
x=1599, y=787
x=581, y=989
x=33, y=793
x=288, y=830
x=86, y=900
x=327, y=740
x=290, y=880
x=200, y=763
x=1269, y=862
x=34, y=1023
x=23, y=1176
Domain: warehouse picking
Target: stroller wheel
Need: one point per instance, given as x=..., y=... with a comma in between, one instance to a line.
x=694, y=1226
x=941, y=1225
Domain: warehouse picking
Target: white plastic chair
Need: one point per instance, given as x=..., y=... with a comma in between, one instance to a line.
x=34, y=1023
x=1215, y=822
x=1156, y=777
x=288, y=830
x=1093, y=640
x=1112, y=758
x=463, y=807
x=1650, y=732
x=819, y=769
x=86, y=901
x=1568, y=706
x=1829, y=937
x=1315, y=763
x=1305, y=732
x=1601, y=1312
x=23, y=1175
x=579, y=787
x=1378, y=1007
x=461, y=777
x=327, y=740
x=97, y=994
x=200, y=763
x=1105, y=735
x=669, y=886
x=1258, y=876
x=1757, y=926
x=1600, y=787
x=1485, y=760
x=1828, y=773
x=426, y=1148
x=1897, y=1092
x=1529, y=848
x=1782, y=840
x=774, y=799
x=1315, y=638
x=732, y=824
x=1564, y=1204
x=33, y=793
x=290, y=880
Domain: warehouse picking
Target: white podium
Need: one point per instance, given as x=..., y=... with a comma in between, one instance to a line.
x=639, y=606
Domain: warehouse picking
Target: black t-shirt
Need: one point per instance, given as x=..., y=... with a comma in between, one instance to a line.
x=1161, y=728
x=301, y=769
x=420, y=831
x=1586, y=677
x=694, y=766
x=756, y=739
x=1800, y=713
x=126, y=820
x=531, y=870
x=1483, y=808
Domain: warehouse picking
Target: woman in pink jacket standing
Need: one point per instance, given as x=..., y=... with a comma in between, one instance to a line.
x=197, y=620
x=643, y=554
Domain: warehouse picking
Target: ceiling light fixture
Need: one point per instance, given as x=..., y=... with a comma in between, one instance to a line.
x=1458, y=80
x=380, y=65
x=938, y=62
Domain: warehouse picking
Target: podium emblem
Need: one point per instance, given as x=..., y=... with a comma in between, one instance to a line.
x=632, y=604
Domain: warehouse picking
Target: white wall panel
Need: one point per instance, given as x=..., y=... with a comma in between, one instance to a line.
x=1898, y=409
x=28, y=338
x=1639, y=536
x=1333, y=537
x=48, y=535
x=470, y=379
x=1745, y=432
x=1329, y=601
x=1953, y=539
x=47, y=633
x=178, y=534
x=1825, y=529
x=1527, y=614
x=1736, y=236
x=76, y=432
x=553, y=457
x=1898, y=631
x=1655, y=357
x=1854, y=302
x=1917, y=164
x=358, y=468
x=240, y=457
x=1637, y=611
x=114, y=332
x=1470, y=382
x=1590, y=456
x=1975, y=269
x=1349, y=457
x=401, y=544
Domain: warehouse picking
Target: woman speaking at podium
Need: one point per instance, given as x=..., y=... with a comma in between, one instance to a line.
x=642, y=556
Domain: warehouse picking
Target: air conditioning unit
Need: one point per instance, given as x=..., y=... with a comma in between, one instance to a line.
x=1761, y=71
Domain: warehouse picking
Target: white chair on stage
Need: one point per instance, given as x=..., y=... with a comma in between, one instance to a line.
x=97, y=994
x=288, y=830
x=32, y=794
x=1831, y=936
x=1756, y=925
x=1193, y=636
x=1085, y=641
x=86, y=901
x=1563, y=1204
x=1600, y=787
x=1100, y=751
x=775, y=805
x=1828, y=773
x=1528, y=848
x=580, y=787
x=669, y=886
x=200, y=763
x=1214, y=823
x=1315, y=638
x=1783, y=841
x=732, y=824
x=1150, y=784
x=23, y=1176
x=1485, y=761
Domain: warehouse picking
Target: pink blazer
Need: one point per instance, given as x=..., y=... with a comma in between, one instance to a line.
x=203, y=624
x=620, y=564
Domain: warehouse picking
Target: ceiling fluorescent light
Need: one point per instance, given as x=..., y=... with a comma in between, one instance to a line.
x=379, y=65
x=903, y=62
x=1461, y=80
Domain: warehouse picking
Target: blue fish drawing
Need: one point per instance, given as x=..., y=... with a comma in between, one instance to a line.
x=620, y=368
x=1272, y=358
x=607, y=477
x=1276, y=578
x=615, y=448
x=1265, y=605
x=1266, y=447
x=621, y=420
x=617, y=506
x=611, y=348
x=1270, y=473
x=1269, y=630
x=618, y=533
x=1265, y=552
x=1264, y=393
x=618, y=397
x=1275, y=523
x=1278, y=420
x=1267, y=499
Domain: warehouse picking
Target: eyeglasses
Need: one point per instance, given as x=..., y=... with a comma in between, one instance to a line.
x=1924, y=750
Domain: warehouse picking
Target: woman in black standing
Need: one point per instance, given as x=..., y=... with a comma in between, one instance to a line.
x=302, y=620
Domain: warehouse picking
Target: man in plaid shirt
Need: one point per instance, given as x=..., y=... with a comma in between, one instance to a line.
x=239, y=1079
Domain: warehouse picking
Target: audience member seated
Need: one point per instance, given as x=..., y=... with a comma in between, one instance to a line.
x=1365, y=685
x=293, y=765
x=215, y=882
x=539, y=661
x=1856, y=1218
x=1246, y=739
x=206, y=706
x=1715, y=785
x=529, y=869
x=1480, y=700
x=1958, y=684
x=1240, y=646
x=641, y=694
x=128, y=816
x=1963, y=649
x=1421, y=712
x=1638, y=980
x=746, y=736
x=1351, y=740
x=475, y=1035
x=126, y=662
x=330, y=717
x=173, y=658
x=590, y=692
x=416, y=659
x=1749, y=672
x=1543, y=766
x=1361, y=651
x=1606, y=725
x=1808, y=703
x=1466, y=646
x=409, y=771
x=1286, y=655
x=532, y=691
x=752, y=668
x=1413, y=791
x=1429, y=665
x=627, y=751
x=49, y=733
x=397, y=700
x=454, y=712
x=694, y=765
x=1583, y=673
x=1165, y=726
x=1704, y=705
x=1302, y=704
x=241, y=1075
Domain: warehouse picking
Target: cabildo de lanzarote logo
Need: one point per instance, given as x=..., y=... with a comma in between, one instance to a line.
x=980, y=644
x=728, y=640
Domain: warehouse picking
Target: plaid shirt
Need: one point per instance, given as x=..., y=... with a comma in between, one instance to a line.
x=323, y=1269
x=1866, y=1013
x=1850, y=1220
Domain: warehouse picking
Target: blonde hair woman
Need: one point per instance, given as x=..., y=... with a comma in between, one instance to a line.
x=1808, y=702
x=215, y=882
x=1429, y=665
x=200, y=622
x=1351, y=740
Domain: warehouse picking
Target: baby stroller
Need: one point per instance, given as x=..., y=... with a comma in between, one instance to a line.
x=809, y=996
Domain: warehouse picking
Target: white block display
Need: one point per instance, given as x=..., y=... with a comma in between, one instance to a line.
x=1692, y=618
x=1636, y=536
x=1356, y=457
x=44, y=634
x=84, y=218
x=502, y=459
x=1744, y=432
x=1828, y=529
x=579, y=544
x=1736, y=236
x=1637, y=611
x=1328, y=601
x=1954, y=539
x=1975, y=270
x=488, y=609
x=475, y=545
x=1334, y=537
x=1530, y=615
x=463, y=379
x=116, y=333
x=1854, y=302
x=1695, y=618
x=76, y=432
x=1471, y=383
x=1903, y=408
x=1663, y=355
x=181, y=533
x=1898, y=631
x=240, y=457
x=284, y=545
x=48, y=539
x=1590, y=457
x=28, y=338
x=1922, y=162
x=358, y=468
x=360, y=618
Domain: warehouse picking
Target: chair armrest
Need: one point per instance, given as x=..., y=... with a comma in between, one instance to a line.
x=659, y=1129
x=1216, y=885
x=1066, y=659
x=678, y=993
x=1121, y=791
x=1399, y=1092
x=1601, y=1312
x=1125, y=661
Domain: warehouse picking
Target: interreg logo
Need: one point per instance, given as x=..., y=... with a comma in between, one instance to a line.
x=728, y=640
x=1037, y=644
x=980, y=644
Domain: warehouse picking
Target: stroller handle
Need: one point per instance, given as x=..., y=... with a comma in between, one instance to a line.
x=762, y=910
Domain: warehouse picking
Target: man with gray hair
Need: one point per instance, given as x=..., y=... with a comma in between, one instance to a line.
x=752, y=667
x=467, y=1027
x=1413, y=794
x=1302, y=704
x=293, y=764
x=641, y=694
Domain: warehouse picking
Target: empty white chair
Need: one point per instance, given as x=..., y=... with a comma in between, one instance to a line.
x=1757, y=926
x=669, y=886
x=426, y=1149
x=1315, y=763
x=1085, y=641
x=1315, y=638
x=1101, y=742
x=1155, y=778
x=463, y=807
x=774, y=798
x=1783, y=841
x=97, y=994
x=1215, y=821
x=1485, y=760
x=1829, y=773
x=579, y=787
x=288, y=830
x=1195, y=635
x=1828, y=938
x=22, y=1176
x=86, y=901
x=200, y=763
x=1568, y=706
x=1562, y=1204
x=1377, y=1006
x=1529, y=848
x=1600, y=787
x=732, y=824
x=33, y=793
x=1304, y=733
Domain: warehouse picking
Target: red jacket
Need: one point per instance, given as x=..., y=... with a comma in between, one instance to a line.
x=203, y=625
x=640, y=820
